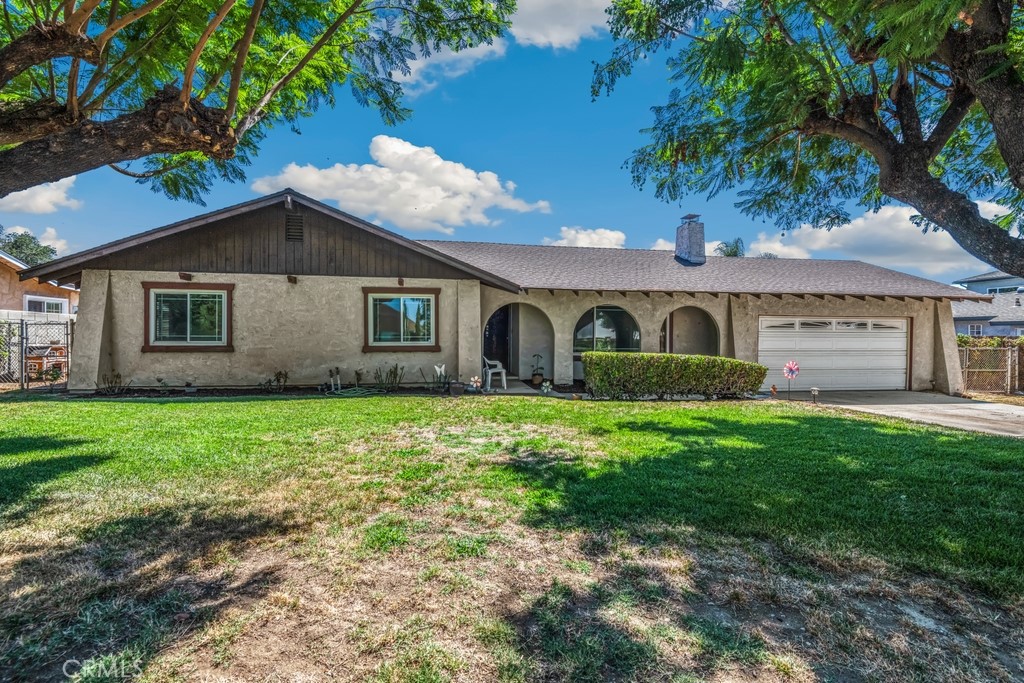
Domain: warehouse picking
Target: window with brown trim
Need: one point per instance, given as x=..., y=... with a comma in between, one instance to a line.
x=403, y=319
x=192, y=316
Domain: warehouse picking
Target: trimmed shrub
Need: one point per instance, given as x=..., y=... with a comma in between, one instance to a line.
x=636, y=375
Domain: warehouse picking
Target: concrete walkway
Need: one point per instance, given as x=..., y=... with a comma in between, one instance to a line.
x=932, y=408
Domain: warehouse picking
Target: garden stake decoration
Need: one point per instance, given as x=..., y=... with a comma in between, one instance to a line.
x=790, y=371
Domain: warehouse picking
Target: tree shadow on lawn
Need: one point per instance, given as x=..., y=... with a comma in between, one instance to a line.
x=616, y=629
x=928, y=500
x=125, y=589
x=810, y=491
x=20, y=482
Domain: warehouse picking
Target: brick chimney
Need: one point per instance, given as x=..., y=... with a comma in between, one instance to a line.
x=690, y=240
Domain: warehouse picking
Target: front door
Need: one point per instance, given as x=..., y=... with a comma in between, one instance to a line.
x=496, y=336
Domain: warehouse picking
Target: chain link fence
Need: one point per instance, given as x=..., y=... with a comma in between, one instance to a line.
x=992, y=370
x=34, y=353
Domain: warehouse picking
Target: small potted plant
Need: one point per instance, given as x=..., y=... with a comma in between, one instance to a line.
x=456, y=388
x=537, y=373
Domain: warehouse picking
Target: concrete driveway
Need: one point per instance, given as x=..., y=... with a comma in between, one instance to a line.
x=919, y=406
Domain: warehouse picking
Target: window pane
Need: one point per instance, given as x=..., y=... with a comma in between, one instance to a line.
x=34, y=306
x=851, y=324
x=815, y=324
x=54, y=307
x=387, y=319
x=606, y=328
x=616, y=330
x=583, y=339
x=170, y=314
x=417, y=319
x=207, y=317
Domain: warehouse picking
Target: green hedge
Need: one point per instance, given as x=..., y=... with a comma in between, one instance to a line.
x=636, y=375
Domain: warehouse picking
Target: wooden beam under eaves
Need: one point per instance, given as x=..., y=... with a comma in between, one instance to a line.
x=623, y=294
x=551, y=292
x=647, y=294
x=575, y=291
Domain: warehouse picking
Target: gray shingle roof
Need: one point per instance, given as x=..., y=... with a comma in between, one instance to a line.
x=551, y=267
x=985, y=277
x=1002, y=311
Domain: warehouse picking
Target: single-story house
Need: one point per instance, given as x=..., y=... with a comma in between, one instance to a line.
x=287, y=283
x=31, y=300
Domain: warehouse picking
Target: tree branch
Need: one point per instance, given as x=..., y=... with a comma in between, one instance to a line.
x=253, y=116
x=241, y=55
x=193, y=59
x=40, y=45
x=162, y=126
x=960, y=104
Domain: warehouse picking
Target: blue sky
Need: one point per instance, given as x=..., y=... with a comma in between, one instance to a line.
x=504, y=145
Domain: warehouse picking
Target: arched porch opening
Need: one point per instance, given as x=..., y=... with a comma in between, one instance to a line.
x=689, y=330
x=514, y=334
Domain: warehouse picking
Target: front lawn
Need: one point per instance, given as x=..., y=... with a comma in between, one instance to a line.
x=515, y=539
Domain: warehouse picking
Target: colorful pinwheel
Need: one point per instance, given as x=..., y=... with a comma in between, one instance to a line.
x=791, y=370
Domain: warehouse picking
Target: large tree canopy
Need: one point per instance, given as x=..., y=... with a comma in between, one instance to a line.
x=191, y=86
x=807, y=107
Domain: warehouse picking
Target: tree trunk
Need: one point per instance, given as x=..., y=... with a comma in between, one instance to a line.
x=909, y=181
x=162, y=126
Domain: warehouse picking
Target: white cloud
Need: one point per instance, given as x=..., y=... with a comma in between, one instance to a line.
x=427, y=74
x=558, y=24
x=408, y=186
x=585, y=237
x=45, y=198
x=49, y=238
x=709, y=247
x=886, y=238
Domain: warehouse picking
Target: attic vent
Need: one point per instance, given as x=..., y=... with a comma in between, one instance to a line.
x=293, y=227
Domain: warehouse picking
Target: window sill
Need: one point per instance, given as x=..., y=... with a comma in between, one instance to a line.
x=187, y=348
x=400, y=348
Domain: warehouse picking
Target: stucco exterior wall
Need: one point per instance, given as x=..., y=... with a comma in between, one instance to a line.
x=303, y=328
x=932, y=337
x=13, y=290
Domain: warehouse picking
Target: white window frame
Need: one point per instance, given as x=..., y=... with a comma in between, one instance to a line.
x=47, y=300
x=974, y=329
x=1002, y=290
x=151, y=323
x=370, y=330
x=1020, y=331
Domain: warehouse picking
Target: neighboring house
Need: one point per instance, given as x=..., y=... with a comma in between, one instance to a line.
x=287, y=283
x=32, y=300
x=992, y=282
x=1004, y=317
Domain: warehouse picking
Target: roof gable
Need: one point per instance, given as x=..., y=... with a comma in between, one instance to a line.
x=252, y=238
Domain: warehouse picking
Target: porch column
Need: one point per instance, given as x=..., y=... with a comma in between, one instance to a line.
x=89, y=352
x=562, y=366
x=949, y=378
x=470, y=334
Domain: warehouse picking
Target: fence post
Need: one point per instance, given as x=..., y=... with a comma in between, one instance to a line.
x=23, y=345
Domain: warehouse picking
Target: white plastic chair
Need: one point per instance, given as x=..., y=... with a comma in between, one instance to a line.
x=492, y=368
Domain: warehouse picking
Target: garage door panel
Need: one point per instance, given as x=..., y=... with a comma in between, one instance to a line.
x=851, y=355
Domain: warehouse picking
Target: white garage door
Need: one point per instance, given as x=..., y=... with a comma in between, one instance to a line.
x=835, y=353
